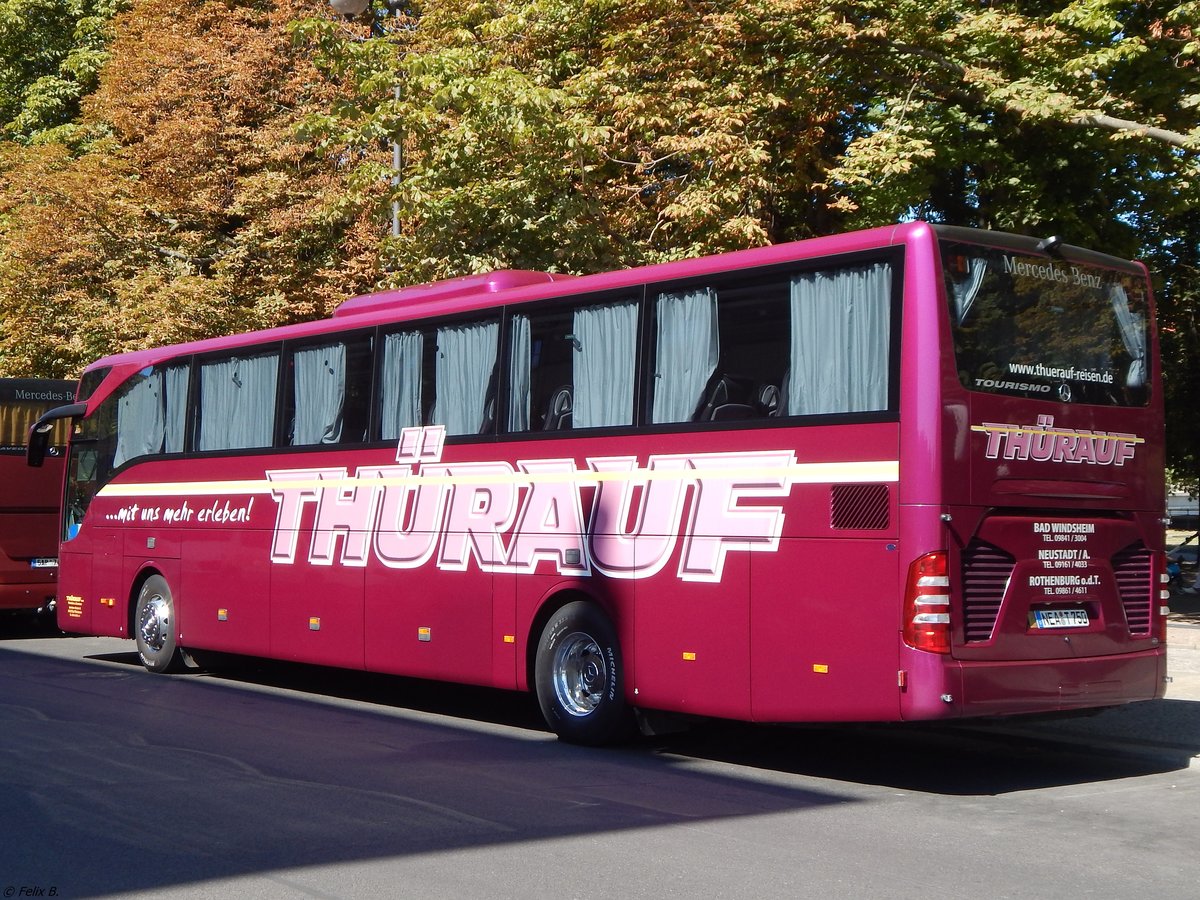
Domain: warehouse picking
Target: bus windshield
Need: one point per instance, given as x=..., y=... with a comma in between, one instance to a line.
x=1031, y=326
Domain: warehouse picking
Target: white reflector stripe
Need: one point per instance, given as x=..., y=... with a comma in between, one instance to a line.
x=931, y=619
x=933, y=581
x=875, y=471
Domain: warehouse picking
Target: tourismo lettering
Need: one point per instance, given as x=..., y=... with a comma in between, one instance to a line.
x=614, y=517
x=1045, y=443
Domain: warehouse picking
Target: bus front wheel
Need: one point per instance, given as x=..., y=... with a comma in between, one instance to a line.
x=579, y=677
x=154, y=627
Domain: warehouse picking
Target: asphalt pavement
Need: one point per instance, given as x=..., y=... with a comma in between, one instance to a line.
x=1167, y=730
x=1183, y=632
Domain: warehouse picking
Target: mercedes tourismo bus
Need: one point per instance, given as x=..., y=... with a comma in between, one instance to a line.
x=908, y=473
x=29, y=498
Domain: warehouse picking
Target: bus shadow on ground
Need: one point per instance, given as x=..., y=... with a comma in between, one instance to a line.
x=965, y=757
x=22, y=625
x=267, y=767
x=212, y=780
x=983, y=758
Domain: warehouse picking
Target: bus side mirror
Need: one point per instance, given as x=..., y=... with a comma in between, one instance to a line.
x=40, y=431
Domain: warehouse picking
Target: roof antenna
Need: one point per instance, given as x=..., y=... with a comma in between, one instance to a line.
x=1051, y=245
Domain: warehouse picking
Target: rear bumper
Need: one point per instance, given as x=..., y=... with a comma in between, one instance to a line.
x=1012, y=688
x=26, y=596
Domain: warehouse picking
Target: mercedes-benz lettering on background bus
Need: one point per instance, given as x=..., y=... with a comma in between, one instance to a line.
x=29, y=498
x=907, y=473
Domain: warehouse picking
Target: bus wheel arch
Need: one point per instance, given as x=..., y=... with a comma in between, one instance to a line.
x=153, y=626
x=578, y=672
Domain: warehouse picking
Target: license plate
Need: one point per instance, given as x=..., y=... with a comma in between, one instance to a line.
x=1060, y=618
x=44, y=562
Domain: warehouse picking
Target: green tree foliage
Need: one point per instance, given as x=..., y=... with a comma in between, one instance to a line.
x=1077, y=119
x=582, y=134
x=585, y=134
x=1030, y=117
x=51, y=52
x=227, y=183
x=194, y=210
x=669, y=129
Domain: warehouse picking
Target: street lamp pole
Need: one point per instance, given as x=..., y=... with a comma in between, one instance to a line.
x=352, y=9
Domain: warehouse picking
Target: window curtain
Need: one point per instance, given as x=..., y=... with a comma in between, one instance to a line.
x=140, y=426
x=465, y=360
x=320, y=394
x=686, y=353
x=175, y=397
x=603, y=365
x=966, y=290
x=403, y=353
x=519, y=374
x=840, y=335
x=1133, y=335
x=237, y=403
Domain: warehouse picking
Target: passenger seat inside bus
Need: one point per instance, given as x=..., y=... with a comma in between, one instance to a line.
x=733, y=397
x=768, y=400
x=558, y=409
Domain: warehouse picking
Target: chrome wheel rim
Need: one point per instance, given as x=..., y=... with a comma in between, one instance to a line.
x=580, y=674
x=154, y=622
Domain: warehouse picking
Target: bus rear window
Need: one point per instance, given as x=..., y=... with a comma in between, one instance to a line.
x=1036, y=327
x=22, y=402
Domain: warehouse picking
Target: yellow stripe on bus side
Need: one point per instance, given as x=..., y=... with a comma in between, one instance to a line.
x=1066, y=432
x=873, y=471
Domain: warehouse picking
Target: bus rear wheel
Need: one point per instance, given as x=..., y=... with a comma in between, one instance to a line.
x=154, y=627
x=579, y=677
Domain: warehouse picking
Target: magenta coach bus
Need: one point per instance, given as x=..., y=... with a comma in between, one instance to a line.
x=29, y=498
x=908, y=473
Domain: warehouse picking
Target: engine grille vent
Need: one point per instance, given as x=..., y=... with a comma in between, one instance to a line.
x=1134, y=572
x=985, y=573
x=862, y=507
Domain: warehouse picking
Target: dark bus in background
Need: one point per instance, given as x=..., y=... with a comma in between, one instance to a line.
x=29, y=498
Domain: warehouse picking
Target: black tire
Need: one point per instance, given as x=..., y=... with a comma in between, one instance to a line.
x=154, y=627
x=579, y=677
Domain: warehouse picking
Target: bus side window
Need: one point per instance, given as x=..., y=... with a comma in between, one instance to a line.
x=720, y=352
x=400, y=376
x=237, y=402
x=326, y=397
x=151, y=414
x=840, y=338
x=573, y=368
x=464, y=377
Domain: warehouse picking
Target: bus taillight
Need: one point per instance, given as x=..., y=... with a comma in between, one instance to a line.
x=927, y=604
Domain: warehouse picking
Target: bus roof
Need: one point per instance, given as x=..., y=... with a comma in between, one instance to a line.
x=474, y=292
